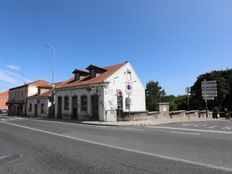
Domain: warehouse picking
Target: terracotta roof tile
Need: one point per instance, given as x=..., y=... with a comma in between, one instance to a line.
x=88, y=81
x=35, y=83
x=39, y=83
x=4, y=93
x=45, y=94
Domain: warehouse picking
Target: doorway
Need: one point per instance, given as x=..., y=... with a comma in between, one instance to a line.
x=59, y=114
x=119, y=104
x=36, y=110
x=95, y=107
x=74, y=107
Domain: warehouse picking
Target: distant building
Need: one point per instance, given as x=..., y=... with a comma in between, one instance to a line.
x=40, y=105
x=100, y=93
x=3, y=100
x=18, y=97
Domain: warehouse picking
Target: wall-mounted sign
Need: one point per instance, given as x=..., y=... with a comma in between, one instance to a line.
x=129, y=87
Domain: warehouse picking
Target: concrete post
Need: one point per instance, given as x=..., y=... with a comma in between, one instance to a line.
x=164, y=110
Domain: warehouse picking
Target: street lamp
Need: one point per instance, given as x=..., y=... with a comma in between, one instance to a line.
x=53, y=76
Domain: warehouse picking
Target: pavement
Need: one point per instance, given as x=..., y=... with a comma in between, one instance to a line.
x=150, y=122
x=146, y=122
x=43, y=146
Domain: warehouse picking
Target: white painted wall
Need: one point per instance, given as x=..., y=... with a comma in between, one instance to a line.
x=118, y=82
x=32, y=90
x=79, y=92
x=44, y=101
x=107, y=96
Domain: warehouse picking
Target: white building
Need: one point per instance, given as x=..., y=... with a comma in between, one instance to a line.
x=40, y=105
x=18, y=96
x=103, y=94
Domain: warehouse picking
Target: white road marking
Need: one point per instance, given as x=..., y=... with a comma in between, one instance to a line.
x=226, y=128
x=185, y=133
x=200, y=125
x=133, y=129
x=126, y=149
x=193, y=130
x=2, y=157
x=187, y=124
x=211, y=127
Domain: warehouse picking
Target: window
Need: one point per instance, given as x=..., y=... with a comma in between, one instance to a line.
x=92, y=73
x=30, y=107
x=77, y=76
x=84, y=103
x=42, y=108
x=66, y=103
x=129, y=77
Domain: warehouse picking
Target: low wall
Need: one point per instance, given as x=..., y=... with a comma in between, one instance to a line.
x=126, y=116
x=189, y=114
x=178, y=115
x=202, y=114
x=192, y=114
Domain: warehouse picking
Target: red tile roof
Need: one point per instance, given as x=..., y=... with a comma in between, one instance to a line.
x=89, y=81
x=35, y=83
x=45, y=94
x=38, y=83
x=4, y=94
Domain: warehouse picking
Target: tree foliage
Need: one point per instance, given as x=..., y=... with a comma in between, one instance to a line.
x=224, y=90
x=154, y=95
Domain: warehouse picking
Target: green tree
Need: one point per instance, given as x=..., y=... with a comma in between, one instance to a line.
x=154, y=95
x=224, y=90
x=171, y=99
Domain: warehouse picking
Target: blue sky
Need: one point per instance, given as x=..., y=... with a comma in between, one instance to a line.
x=170, y=41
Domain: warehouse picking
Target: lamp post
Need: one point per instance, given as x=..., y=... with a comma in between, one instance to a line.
x=53, y=76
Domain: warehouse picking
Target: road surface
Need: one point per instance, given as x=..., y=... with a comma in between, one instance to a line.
x=40, y=146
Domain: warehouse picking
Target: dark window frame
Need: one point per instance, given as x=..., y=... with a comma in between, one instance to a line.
x=30, y=107
x=66, y=103
x=84, y=103
x=42, y=108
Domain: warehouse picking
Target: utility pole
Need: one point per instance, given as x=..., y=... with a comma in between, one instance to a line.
x=53, y=77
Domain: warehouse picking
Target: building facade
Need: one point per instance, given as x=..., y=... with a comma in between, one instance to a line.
x=18, y=97
x=98, y=93
x=3, y=100
x=40, y=104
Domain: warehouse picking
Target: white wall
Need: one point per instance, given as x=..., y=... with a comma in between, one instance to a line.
x=107, y=96
x=79, y=92
x=32, y=90
x=118, y=82
x=44, y=101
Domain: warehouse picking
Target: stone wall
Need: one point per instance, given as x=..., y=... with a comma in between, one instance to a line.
x=164, y=113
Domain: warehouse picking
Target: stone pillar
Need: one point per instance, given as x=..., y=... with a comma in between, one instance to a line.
x=164, y=110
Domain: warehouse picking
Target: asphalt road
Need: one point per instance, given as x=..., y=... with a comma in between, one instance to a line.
x=39, y=146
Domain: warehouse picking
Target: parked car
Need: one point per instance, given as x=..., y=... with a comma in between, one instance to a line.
x=3, y=111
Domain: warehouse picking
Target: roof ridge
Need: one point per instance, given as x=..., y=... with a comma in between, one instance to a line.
x=88, y=81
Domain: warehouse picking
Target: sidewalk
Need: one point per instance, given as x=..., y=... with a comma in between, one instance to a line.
x=149, y=122
x=145, y=122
